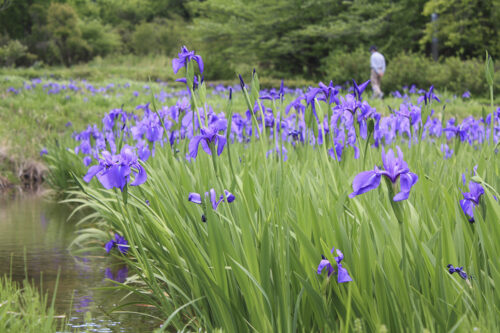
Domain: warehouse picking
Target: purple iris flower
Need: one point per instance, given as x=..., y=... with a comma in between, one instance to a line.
x=186, y=56
x=114, y=170
x=428, y=96
x=394, y=168
x=471, y=200
x=448, y=153
x=459, y=270
x=44, y=152
x=196, y=198
x=330, y=92
x=466, y=94
x=343, y=275
x=337, y=154
x=297, y=105
x=119, y=242
x=209, y=136
x=87, y=160
x=411, y=112
x=358, y=90
x=296, y=135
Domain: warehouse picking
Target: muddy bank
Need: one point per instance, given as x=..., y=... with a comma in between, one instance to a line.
x=18, y=175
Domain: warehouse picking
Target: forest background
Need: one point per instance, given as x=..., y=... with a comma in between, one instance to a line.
x=298, y=40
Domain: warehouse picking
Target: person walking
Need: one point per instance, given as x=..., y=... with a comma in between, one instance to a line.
x=377, y=64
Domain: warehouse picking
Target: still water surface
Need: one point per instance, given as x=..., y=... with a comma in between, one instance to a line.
x=34, y=239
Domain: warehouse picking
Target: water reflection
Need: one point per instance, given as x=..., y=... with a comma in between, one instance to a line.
x=82, y=305
x=119, y=276
x=34, y=242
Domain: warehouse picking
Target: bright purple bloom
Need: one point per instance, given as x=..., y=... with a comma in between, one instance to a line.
x=466, y=94
x=196, y=198
x=458, y=270
x=428, y=96
x=119, y=242
x=310, y=95
x=209, y=136
x=297, y=105
x=343, y=275
x=186, y=56
x=448, y=153
x=394, y=168
x=44, y=152
x=115, y=170
x=471, y=200
x=358, y=90
x=330, y=92
x=87, y=160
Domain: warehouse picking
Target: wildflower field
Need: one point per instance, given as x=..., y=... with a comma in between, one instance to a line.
x=309, y=209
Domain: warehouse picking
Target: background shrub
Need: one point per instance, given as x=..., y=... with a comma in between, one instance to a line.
x=160, y=36
x=101, y=39
x=341, y=66
x=11, y=51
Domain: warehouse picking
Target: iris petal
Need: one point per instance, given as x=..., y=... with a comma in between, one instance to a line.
x=322, y=264
x=343, y=275
x=407, y=180
x=193, y=146
x=93, y=170
x=194, y=197
x=230, y=197
x=140, y=177
x=364, y=182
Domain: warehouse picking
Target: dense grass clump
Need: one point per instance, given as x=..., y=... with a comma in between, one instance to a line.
x=24, y=309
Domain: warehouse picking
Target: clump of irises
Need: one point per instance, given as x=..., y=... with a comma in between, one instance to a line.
x=342, y=274
x=196, y=197
x=119, y=242
x=214, y=200
x=394, y=168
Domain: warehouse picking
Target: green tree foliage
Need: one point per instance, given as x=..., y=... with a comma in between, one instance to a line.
x=283, y=38
x=101, y=39
x=161, y=36
x=11, y=51
x=290, y=37
x=62, y=24
x=13, y=19
x=464, y=27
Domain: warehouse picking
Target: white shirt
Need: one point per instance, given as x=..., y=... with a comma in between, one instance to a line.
x=377, y=62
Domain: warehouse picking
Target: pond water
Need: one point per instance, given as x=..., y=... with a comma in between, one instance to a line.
x=34, y=240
